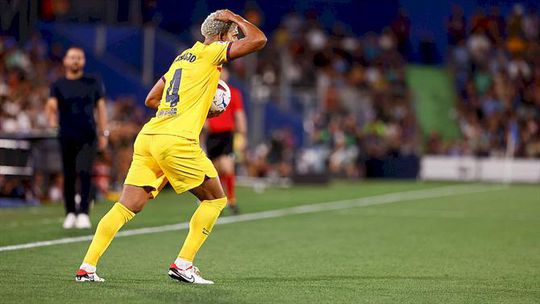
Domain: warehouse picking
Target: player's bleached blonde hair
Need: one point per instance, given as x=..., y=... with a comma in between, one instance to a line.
x=212, y=27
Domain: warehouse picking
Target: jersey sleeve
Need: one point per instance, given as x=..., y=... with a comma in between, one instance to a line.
x=219, y=52
x=54, y=91
x=99, y=90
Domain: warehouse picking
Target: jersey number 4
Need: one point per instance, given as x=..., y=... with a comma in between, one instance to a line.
x=172, y=96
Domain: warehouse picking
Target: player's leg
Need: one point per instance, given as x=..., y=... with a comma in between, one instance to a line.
x=143, y=182
x=186, y=167
x=68, y=167
x=131, y=202
x=213, y=200
x=220, y=151
x=225, y=167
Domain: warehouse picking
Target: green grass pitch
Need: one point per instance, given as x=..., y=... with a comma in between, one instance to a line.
x=466, y=248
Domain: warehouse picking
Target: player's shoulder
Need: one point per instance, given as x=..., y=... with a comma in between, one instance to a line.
x=220, y=43
x=215, y=46
x=58, y=82
x=236, y=97
x=234, y=89
x=61, y=83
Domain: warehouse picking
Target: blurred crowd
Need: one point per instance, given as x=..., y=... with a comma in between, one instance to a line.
x=26, y=72
x=350, y=92
x=362, y=106
x=495, y=62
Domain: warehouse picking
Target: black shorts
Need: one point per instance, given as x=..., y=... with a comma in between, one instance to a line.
x=218, y=144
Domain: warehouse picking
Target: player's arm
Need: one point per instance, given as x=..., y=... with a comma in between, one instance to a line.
x=240, y=122
x=154, y=96
x=101, y=121
x=101, y=116
x=254, y=39
x=51, y=111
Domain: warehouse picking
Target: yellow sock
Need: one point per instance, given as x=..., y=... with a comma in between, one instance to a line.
x=107, y=228
x=200, y=226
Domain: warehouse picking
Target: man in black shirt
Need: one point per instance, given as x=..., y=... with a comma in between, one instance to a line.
x=72, y=103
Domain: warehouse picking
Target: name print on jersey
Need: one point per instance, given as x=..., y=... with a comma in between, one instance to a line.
x=187, y=57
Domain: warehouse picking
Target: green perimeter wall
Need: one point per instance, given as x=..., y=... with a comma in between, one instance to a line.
x=434, y=98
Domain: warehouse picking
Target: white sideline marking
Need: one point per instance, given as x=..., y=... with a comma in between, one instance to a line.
x=304, y=209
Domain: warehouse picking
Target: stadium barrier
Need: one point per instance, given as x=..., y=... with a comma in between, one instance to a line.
x=493, y=169
x=24, y=154
x=22, y=158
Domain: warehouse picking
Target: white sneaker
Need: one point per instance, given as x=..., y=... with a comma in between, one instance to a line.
x=83, y=221
x=69, y=221
x=189, y=275
x=84, y=276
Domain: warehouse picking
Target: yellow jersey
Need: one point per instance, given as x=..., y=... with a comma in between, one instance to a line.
x=190, y=85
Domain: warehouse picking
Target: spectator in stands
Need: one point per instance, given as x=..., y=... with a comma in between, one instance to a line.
x=363, y=100
x=401, y=27
x=497, y=80
x=456, y=26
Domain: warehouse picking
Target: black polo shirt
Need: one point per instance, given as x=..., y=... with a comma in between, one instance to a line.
x=77, y=100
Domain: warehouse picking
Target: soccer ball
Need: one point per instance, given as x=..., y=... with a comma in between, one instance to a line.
x=222, y=98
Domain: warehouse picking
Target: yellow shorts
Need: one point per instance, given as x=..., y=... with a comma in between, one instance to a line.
x=158, y=159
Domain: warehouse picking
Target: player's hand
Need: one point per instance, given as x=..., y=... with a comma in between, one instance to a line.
x=226, y=15
x=214, y=113
x=241, y=143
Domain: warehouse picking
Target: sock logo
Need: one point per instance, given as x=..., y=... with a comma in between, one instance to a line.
x=205, y=231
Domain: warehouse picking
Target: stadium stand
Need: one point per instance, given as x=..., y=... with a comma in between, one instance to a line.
x=25, y=74
x=362, y=113
x=333, y=101
x=496, y=68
